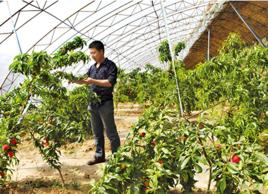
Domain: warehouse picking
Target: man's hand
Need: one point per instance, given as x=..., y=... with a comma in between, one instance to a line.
x=89, y=81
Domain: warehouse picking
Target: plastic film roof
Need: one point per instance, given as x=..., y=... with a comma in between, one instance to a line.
x=130, y=30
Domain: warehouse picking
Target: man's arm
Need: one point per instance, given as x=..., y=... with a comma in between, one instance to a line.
x=98, y=82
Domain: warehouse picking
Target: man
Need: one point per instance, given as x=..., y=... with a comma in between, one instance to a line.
x=102, y=78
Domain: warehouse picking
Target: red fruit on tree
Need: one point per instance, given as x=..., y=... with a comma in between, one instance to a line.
x=235, y=159
x=146, y=184
x=201, y=125
x=11, y=154
x=218, y=146
x=45, y=142
x=142, y=134
x=5, y=147
x=2, y=174
x=153, y=142
x=13, y=141
x=160, y=161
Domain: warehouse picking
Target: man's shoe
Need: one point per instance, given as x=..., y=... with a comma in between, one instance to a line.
x=95, y=161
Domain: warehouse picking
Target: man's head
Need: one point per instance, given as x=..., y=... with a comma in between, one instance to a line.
x=96, y=51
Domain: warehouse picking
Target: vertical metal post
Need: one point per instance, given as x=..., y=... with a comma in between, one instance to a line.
x=172, y=56
x=247, y=25
x=208, y=52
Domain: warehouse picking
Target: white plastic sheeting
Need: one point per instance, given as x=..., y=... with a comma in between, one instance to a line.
x=130, y=30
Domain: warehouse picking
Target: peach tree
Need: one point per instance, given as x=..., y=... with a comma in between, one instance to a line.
x=42, y=107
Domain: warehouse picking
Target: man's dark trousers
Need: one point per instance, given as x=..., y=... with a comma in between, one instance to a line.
x=102, y=117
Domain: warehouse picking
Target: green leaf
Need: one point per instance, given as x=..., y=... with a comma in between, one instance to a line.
x=185, y=162
x=165, y=151
x=198, y=168
x=222, y=185
x=134, y=189
x=232, y=168
x=262, y=157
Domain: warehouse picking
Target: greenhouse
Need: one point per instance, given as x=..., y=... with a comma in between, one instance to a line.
x=133, y=97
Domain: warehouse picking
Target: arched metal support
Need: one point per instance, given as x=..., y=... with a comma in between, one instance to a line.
x=148, y=14
x=11, y=77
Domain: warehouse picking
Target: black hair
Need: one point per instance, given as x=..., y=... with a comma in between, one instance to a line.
x=97, y=45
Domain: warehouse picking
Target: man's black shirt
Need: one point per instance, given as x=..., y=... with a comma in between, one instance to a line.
x=106, y=70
